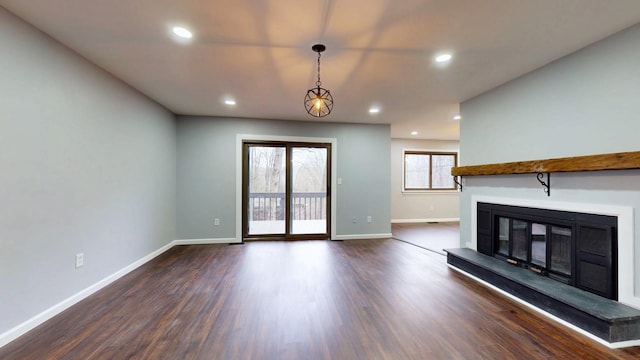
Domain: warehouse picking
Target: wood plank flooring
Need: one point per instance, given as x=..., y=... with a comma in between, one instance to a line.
x=430, y=236
x=360, y=299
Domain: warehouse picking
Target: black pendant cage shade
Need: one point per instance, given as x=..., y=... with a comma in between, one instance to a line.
x=318, y=102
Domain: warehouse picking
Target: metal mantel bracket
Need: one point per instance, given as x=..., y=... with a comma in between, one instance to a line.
x=547, y=185
x=458, y=180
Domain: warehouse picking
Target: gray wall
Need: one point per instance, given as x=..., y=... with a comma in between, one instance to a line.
x=420, y=206
x=87, y=165
x=586, y=103
x=206, y=173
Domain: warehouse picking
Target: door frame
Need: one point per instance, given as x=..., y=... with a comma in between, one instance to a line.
x=242, y=138
x=289, y=147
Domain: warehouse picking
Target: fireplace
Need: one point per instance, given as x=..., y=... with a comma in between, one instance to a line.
x=574, y=248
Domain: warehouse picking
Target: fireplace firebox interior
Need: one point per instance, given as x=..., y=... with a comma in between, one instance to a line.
x=573, y=248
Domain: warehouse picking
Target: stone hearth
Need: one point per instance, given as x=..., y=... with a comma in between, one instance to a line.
x=612, y=322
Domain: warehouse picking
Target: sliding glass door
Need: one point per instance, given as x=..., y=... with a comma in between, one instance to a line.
x=309, y=190
x=266, y=190
x=286, y=191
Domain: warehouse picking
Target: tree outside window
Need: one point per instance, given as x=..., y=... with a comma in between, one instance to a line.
x=427, y=170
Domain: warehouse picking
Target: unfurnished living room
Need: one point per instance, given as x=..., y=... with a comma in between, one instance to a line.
x=338, y=179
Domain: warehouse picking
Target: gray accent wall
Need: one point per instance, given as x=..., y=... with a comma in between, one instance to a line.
x=586, y=103
x=420, y=206
x=207, y=183
x=583, y=104
x=87, y=165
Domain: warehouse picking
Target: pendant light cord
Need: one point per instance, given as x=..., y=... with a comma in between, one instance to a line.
x=318, y=83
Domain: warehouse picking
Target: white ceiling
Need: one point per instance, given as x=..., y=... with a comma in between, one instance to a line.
x=378, y=51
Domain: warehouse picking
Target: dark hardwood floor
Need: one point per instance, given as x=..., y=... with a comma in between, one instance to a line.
x=360, y=299
x=430, y=236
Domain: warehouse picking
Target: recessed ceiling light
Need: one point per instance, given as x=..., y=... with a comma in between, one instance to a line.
x=182, y=32
x=374, y=110
x=443, y=58
x=414, y=133
x=457, y=117
x=230, y=102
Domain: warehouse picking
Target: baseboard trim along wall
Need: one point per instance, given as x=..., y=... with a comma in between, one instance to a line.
x=30, y=324
x=362, y=236
x=12, y=334
x=406, y=221
x=56, y=309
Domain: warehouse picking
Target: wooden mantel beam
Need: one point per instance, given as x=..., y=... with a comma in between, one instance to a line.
x=615, y=161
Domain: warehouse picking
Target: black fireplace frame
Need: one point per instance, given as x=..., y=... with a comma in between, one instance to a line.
x=594, y=264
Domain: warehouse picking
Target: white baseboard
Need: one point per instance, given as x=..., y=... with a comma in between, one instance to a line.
x=614, y=345
x=401, y=221
x=30, y=324
x=362, y=236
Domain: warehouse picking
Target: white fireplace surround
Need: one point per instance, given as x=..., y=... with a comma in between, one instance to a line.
x=626, y=252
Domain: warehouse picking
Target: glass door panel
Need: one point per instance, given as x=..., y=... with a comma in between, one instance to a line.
x=503, y=236
x=539, y=244
x=520, y=240
x=308, y=197
x=266, y=184
x=561, y=250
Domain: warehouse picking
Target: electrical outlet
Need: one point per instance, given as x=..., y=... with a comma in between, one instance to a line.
x=354, y=220
x=216, y=221
x=79, y=260
x=369, y=219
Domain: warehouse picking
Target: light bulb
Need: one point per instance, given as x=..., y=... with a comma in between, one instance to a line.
x=443, y=58
x=182, y=32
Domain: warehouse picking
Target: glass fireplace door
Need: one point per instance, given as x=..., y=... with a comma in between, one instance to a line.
x=544, y=248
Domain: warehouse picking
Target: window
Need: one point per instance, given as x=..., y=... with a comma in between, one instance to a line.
x=426, y=170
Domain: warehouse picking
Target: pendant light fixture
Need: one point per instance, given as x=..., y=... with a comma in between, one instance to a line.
x=318, y=102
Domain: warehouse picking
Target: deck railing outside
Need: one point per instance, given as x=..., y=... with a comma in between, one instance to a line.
x=305, y=206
